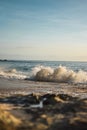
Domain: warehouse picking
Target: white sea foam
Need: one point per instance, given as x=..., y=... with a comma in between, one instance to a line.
x=12, y=74
x=38, y=68
x=60, y=74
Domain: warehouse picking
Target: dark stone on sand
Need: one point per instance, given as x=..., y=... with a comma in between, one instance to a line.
x=49, y=99
x=66, y=97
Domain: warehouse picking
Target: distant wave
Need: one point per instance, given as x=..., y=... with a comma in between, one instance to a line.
x=60, y=74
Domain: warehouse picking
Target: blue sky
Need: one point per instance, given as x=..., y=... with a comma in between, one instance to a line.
x=43, y=29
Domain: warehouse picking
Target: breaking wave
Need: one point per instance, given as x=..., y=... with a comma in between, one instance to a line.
x=60, y=74
x=12, y=74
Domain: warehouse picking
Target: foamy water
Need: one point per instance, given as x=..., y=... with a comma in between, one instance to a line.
x=60, y=74
x=12, y=74
x=67, y=72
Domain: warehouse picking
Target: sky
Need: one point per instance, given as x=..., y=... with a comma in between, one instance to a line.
x=43, y=30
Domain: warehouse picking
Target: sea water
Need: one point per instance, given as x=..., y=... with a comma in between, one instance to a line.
x=48, y=71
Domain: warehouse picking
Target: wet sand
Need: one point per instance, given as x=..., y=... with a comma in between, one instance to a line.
x=10, y=87
x=30, y=105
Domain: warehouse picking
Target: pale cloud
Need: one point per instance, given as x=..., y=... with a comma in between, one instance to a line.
x=25, y=47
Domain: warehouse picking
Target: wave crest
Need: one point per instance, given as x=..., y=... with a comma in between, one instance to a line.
x=60, y=74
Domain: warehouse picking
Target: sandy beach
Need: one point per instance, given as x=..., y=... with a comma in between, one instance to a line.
x=34, y=105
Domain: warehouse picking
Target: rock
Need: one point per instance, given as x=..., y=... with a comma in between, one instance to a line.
x=59, y=112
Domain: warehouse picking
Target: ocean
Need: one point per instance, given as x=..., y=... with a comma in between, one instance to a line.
x=46, y=71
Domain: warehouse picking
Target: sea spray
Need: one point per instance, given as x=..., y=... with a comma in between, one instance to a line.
x=60, y=74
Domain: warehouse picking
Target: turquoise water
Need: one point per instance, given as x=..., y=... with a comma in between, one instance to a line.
x=54, y=71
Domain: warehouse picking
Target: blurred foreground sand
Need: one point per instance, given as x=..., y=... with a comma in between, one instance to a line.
x=29, y=105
